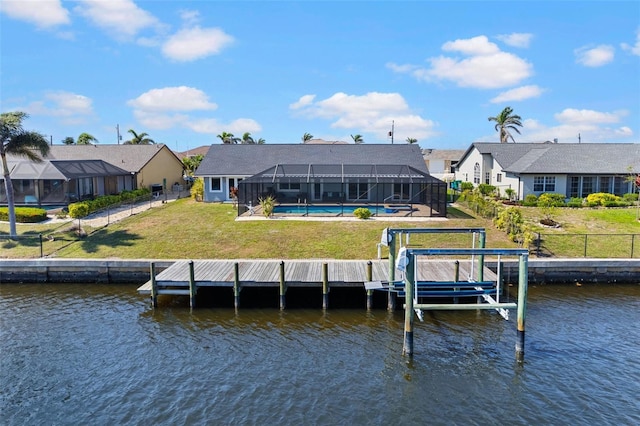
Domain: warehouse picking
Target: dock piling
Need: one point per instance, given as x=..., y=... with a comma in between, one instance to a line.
x=522, y=304
x=283, y=287
x=369, y=292
x=325, y=286
x=192, y=286
x=154, y=286
x=407, y=348
x=236, y=285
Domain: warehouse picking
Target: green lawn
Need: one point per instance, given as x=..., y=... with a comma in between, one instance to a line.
x=186, y=229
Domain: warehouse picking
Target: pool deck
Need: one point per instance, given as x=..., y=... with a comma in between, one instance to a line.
x=420, y=213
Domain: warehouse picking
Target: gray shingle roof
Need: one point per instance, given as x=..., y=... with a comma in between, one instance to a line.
x=243, y=160
x=131, y=158
x=596, y=158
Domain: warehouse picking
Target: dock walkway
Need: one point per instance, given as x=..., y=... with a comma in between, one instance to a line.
x=300, y=273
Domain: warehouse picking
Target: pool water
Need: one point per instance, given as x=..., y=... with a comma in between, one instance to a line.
x=326, y=209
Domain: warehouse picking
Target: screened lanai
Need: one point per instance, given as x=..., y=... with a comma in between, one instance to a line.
x=376, y=186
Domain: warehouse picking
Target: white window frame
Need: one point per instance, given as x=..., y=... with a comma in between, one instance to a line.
x=219, y=179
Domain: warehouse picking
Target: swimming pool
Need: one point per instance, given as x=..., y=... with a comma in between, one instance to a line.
x=333, y=210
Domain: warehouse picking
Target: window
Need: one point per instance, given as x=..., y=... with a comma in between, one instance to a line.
x=588, y=183
x=289, y=186
x=359, y=191
x=574, y=187
x=476, y=173
x=620, y=185
x=401, y=190
x=216, y=184
x=487, y=178
x=499, y=177
x=544, y=183
x=604, y=184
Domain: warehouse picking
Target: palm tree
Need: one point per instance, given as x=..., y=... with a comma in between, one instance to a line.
x=357, y=138
x=86, y=139
x=247, y=139
x=306, y=137
x=228, y=138
x=506, y=121
x=15, y=140
x=412, y=140
x=139, y=139
x=69, y=140
x=261, y=141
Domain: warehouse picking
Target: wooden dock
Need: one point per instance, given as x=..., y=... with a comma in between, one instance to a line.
x=298, y=273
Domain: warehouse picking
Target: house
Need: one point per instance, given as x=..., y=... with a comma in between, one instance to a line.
x=574, y=170
x=74, y=172
x=320, y=173
x=441, y=162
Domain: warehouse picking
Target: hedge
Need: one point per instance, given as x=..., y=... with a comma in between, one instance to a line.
x=24, y=214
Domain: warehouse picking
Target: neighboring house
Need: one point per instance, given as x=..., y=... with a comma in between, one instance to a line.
x=74, y=172
x=574, y=170
x=201, y=150
x=441, y=162
x=319, y=173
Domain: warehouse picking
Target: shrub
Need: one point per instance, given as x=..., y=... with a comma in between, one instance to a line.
x=616, y=203
x=197, y=189
x=78, y=210
x=550, y=199
x=24, y=214
x=530, y=200
x=466, y=186
x=599, y=198
x=362, y=213
x=510, y=193
x=575, y=202
x=486, y=189
x=511, y=221
x=267, y=203
x=630, y=197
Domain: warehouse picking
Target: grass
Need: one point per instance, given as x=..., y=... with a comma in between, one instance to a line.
x=185, y=229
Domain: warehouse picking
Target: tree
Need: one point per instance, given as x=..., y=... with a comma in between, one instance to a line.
x=139, y=139
x=191, y=163
x=506, y=121
x=412, y=140
x=69, y=141
x=17, y=141
x=357, y=138
x=261, y=141
x=307, y=137
x=247, y=139
x=228, y=138
x=86, y=139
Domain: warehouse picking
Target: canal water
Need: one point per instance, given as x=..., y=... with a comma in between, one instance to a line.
x=98, y=355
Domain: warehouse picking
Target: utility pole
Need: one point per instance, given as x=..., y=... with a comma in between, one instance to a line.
x=391, y=132
x=118, y=131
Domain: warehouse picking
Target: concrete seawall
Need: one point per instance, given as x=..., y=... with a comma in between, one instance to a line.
x=137, y=271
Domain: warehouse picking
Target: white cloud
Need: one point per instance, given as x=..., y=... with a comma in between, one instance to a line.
x=180, y=98
x=518, y=94
x=69, y=107
x=214, y=127
x=585, y=116
x=634, y=49
x=592, y=126
x=516, y=39
x=123, y=19
x=406, y=68
x=195, y=43
x=302, y=102
x=44, y=13
x=486, y=67
x=595, y=56
x=371, y=113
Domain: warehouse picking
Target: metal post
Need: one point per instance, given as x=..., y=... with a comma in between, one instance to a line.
x=192, y=286
x=407, y=348
x=283, y=287
x=633, y=237
x=369, y=292
x=325, y=286
x=154, y=286
x=41, y=250
x=456, y=278
x=538, y=242
x=391, y=302
x=236, y=285
x=523, y=269
x=481, y=242
x=585, y=245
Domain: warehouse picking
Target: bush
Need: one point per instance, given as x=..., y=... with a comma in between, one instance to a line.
x=600, y=198
x=575, y=202
x=267, y=203
x=362, y=213
x=466, y=186
x=78, y=210
x=550, y=199
x=630, y=197
x=616, y=203
x=197, y=189
x=511, y=221
x=530, y=200
x=486, y=189
x=24, y=214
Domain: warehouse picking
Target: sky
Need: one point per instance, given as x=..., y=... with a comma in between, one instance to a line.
x=435, y=71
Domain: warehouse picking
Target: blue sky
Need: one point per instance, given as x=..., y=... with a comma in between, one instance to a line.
x=186, y=71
